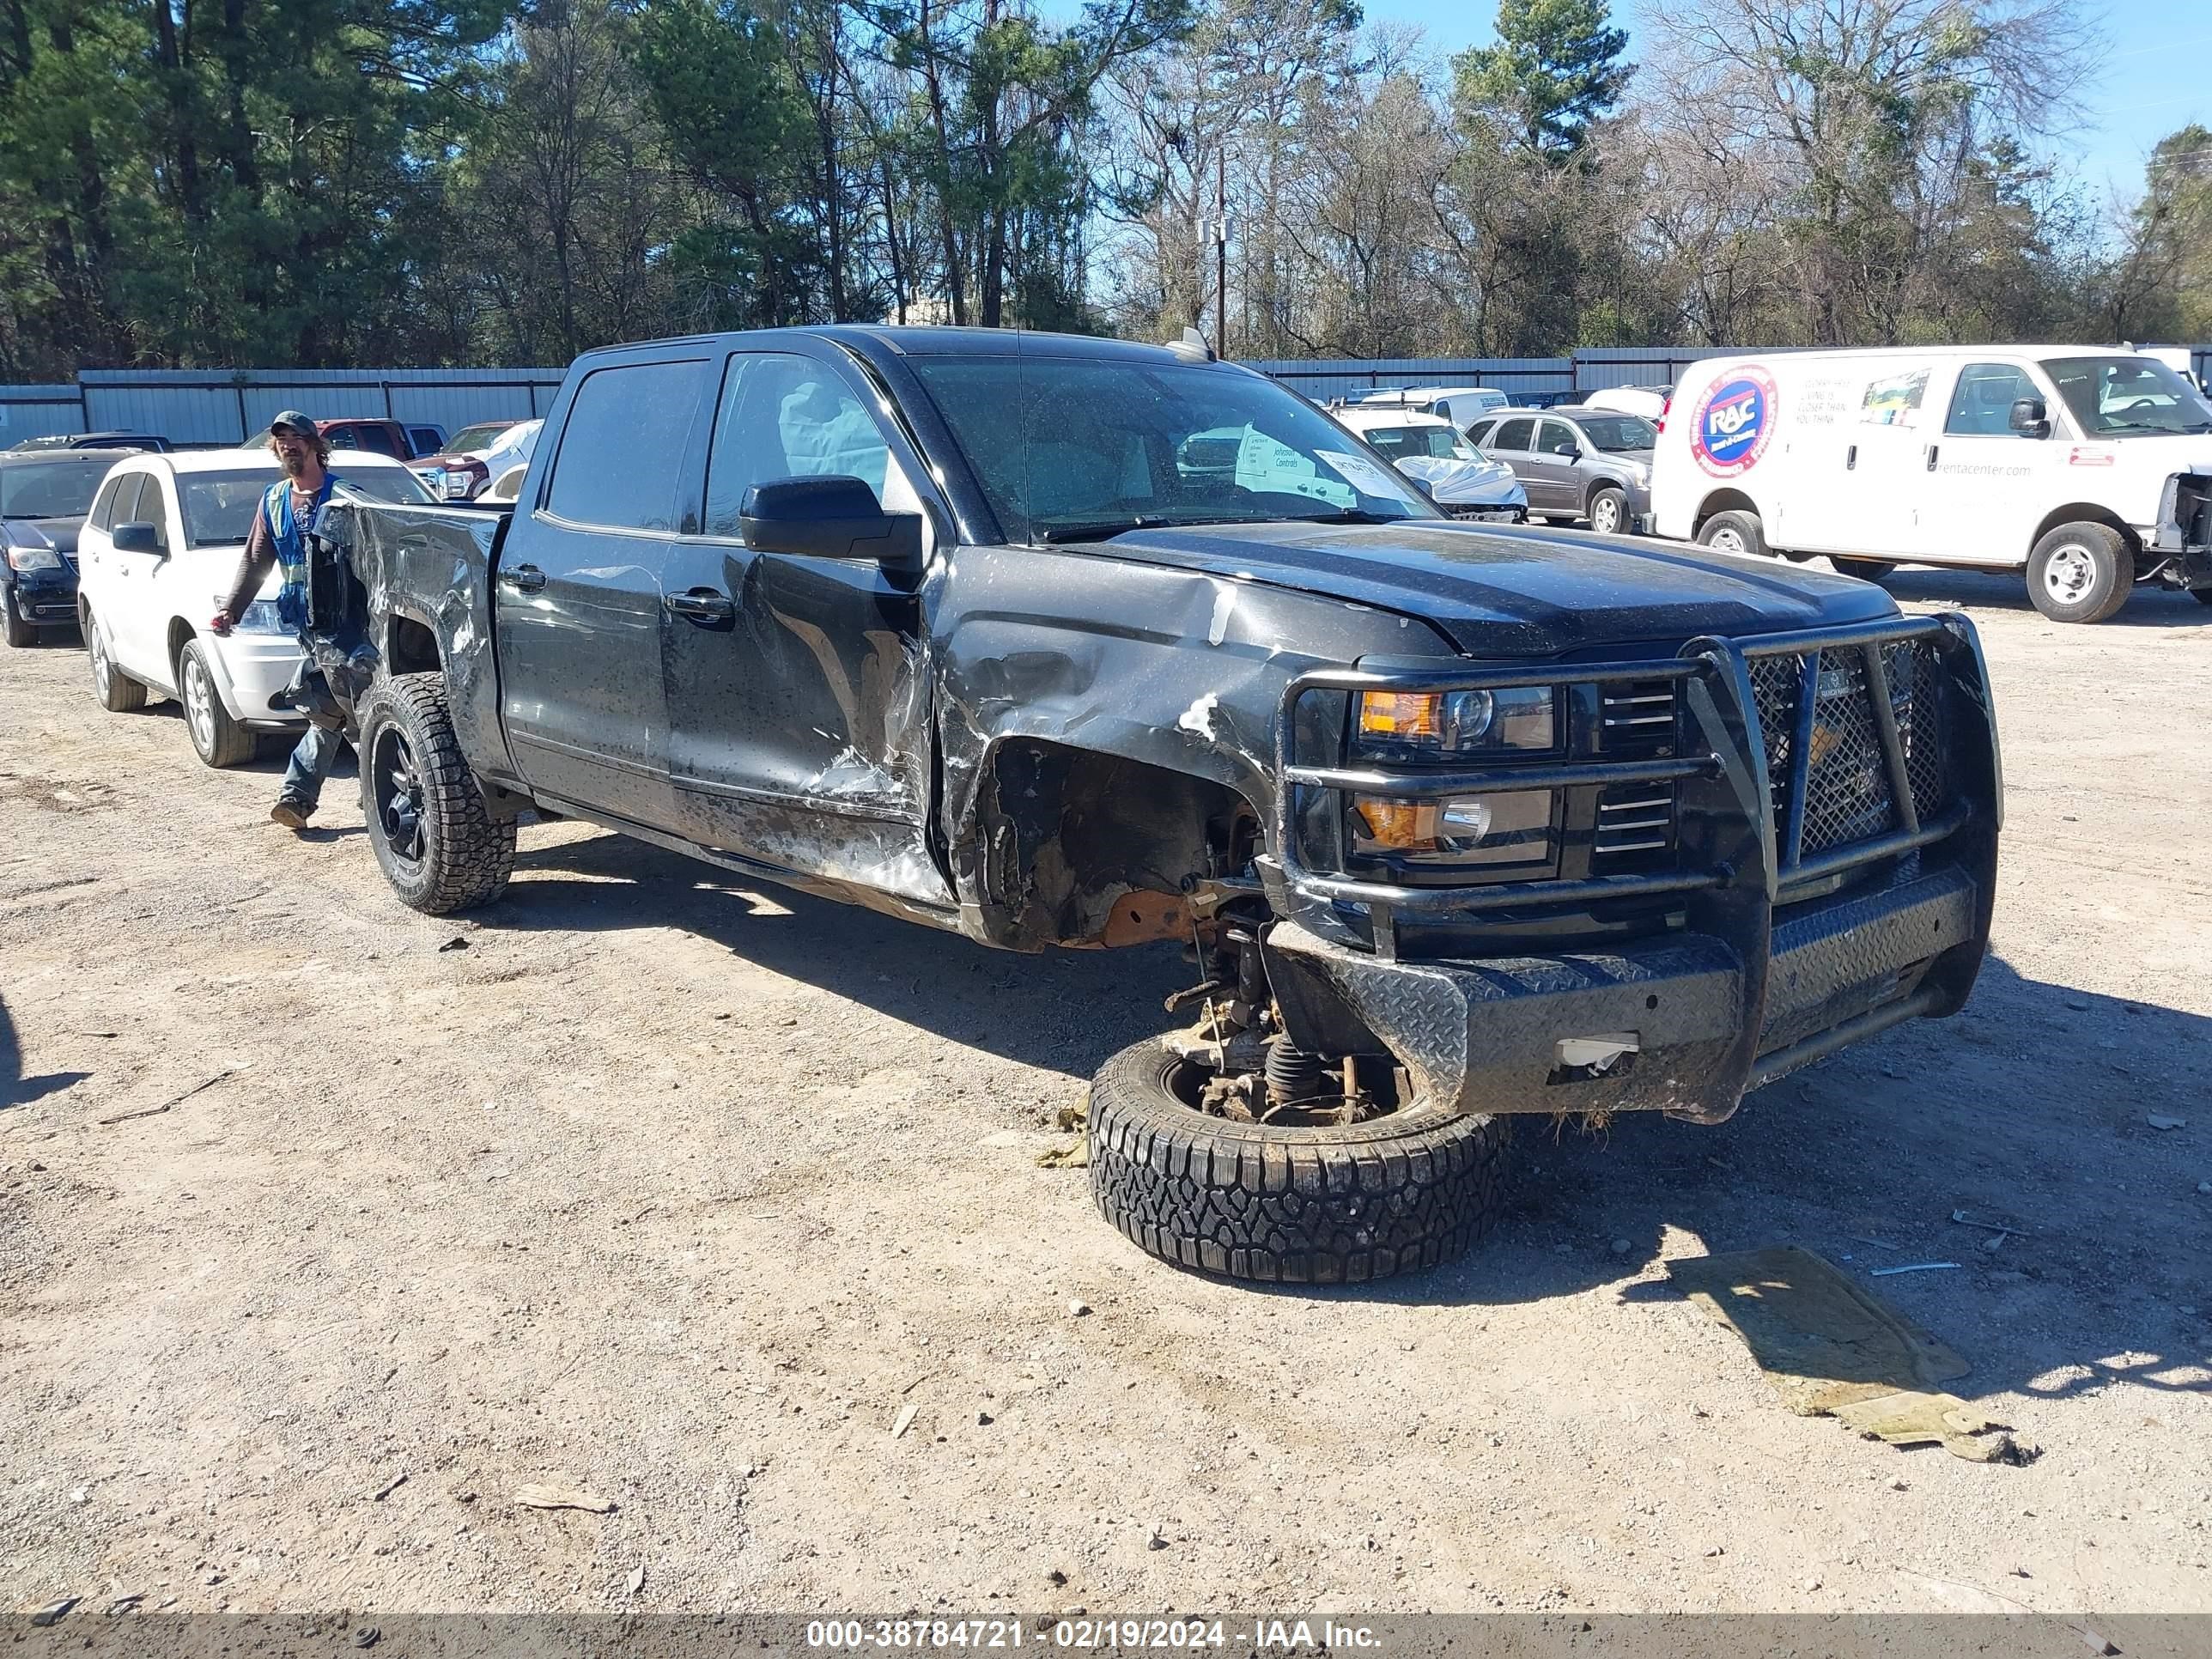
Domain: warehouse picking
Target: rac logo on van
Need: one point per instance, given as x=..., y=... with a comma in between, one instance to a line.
x=1733, y=422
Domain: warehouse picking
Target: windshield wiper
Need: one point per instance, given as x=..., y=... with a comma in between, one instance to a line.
x=1356, y=515
x=1099, y=530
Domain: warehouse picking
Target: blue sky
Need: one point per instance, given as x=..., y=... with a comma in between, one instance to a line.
x=2152, y=77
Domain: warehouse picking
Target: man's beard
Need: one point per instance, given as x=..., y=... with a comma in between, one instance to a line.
x=294, y=461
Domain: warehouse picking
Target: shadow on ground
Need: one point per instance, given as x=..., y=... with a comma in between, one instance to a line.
x=2007, y=590
x=15, y=1088
x=2030, y=1114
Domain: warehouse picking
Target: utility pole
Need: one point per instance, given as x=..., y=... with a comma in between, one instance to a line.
x=1221, y=250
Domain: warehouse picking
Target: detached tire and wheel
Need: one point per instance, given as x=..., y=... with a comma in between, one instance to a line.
x=1609, y=510
x=117, y=692
x=20, y=633
x=2081, y=573
x=1867, y=570
x=437, y=845
x=1735, y=532
x=1338, y=1205
x=218, y=739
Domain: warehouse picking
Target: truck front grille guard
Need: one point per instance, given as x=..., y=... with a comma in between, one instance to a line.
x=1761, y=781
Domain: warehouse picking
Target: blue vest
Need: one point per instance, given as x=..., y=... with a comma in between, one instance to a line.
x=287, y=534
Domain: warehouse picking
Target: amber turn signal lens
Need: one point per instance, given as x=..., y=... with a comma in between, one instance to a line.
x=1407, y=826
x=1400, y=713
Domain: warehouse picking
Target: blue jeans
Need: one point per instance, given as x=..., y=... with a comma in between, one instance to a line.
x=312, y=759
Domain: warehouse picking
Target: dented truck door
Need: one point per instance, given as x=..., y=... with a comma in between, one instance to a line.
x=797, y=713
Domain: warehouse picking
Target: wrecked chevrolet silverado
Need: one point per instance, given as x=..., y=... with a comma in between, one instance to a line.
x=1072, y=643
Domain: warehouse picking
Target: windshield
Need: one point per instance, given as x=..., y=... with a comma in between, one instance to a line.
x=1061, y=444
x=50, y=489
x=1435, y=443
x=483, y=435
x=2123, y=396
x=388, y=484
x=1616, y=433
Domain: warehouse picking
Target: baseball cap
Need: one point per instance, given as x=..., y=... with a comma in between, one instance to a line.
x=291, y=420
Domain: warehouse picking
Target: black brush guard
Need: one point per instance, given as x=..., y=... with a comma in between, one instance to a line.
x=1774, y=956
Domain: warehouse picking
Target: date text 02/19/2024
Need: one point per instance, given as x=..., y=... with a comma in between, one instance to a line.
x=1138, y=1635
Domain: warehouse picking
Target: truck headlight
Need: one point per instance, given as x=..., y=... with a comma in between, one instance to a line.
x=1510, y=827
x=1431, y=724
x=260, y=617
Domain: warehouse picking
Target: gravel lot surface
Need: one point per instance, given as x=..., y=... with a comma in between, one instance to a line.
x=679, y=1194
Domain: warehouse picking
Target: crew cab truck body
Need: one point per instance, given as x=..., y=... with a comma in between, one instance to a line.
x=996, y=633
x=2090, y=468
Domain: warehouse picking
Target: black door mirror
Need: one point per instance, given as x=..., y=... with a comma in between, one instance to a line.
x=2030, y=418
x=136, y=538
x=833, y=518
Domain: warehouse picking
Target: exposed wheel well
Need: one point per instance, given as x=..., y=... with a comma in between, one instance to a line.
x=409, y=647
x=1722, y=500
x=1082, y=848
x=180, y=634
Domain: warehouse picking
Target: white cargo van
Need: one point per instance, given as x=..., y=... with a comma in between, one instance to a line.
x=2090, y=467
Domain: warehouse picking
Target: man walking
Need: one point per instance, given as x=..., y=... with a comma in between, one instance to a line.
x=279, y=537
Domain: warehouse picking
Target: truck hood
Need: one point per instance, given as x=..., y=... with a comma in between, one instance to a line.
x=1514, y=592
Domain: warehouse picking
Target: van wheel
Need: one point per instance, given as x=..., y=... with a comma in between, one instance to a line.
x=437, y=845
x=1735, y=532
x=1867, y=570
x=2081, y=573
x=218, y=740
x=1609, y=510
x=1306, y=1205
x=117, y=692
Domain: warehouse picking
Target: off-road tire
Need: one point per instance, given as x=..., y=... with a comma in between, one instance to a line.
x=21, y=634
x=1288, y=1205
x=2100, y=552
x=467, y=854
x=1611, y=496
x=1867, y=570
x=223, y=742
x=1749, y=534
x=117, y=692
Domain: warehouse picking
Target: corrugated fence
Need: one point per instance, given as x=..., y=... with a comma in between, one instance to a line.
x=225, y=406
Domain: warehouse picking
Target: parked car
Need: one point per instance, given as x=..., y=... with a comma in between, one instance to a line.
x=994, y=632
x=97, y=441
x=1462, y=405
x=1544, y=399
x=44, y=497
x=2088, y=469
x=158, y=552
x=1461, y=479
x=1577, y=463
x=478, y=456
x=372, y=435
x=1649, y=402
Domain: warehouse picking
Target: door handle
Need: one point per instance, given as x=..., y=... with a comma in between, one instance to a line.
x=524, y=578
x=702, y=605
x=1931, y=457
x=1851, y=459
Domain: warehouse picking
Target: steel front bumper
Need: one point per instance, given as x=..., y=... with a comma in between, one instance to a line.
x=1497, y=1035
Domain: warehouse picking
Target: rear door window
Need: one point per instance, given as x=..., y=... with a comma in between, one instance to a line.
x=103, y=508
x=627, y=445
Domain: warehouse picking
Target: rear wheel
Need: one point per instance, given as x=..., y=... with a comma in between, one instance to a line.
x=437, y=845
x=218, y=740
x=117, y=692
x=1323, y=1205
x=1609, y=510
x=20, y=632
x=1735, y=532
x=2081, y=573
x=1867, y=570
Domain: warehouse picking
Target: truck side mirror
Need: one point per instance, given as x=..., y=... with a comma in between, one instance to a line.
x=828, y=518
x=2030, y=418
x=135, y=539
x=1428, y=490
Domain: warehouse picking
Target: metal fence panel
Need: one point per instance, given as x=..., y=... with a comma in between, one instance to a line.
x=38, y=411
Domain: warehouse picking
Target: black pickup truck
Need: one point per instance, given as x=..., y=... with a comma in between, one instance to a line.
x=1059, y=642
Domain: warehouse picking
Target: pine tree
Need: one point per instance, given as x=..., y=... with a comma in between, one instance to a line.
x=1556, y=70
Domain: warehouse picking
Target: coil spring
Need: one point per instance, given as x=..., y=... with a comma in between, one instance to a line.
x=1292, y=1074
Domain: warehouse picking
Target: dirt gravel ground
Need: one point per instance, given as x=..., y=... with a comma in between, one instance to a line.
x=646, y=1184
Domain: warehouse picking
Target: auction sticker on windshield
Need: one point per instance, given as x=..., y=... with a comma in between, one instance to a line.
x=1734, y=420
x=1268, y=465
x=1362, y=475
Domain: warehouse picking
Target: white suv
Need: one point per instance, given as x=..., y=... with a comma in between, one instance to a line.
x=155, y=559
